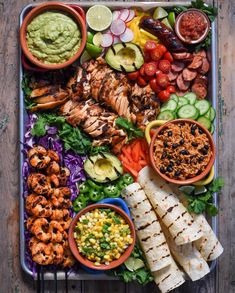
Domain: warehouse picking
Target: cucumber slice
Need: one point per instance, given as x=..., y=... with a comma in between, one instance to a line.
x=174, y=97
x=199, y=190
x=188, y=189
x=203, y=106
x=170, y=105
x=182, y=101
x=212, y=114
x=205, y=122
x=191, y=97
x=212, y=129
x=166, y=115
x=188, y=112
x=207, y=115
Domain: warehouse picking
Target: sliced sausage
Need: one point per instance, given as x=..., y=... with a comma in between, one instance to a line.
x=189, y=74
x=202, y=79
x=200, y=90
x=196, y=63
x=172, y=75
x=201, y=53
x=182, y=56
x=177, y=66
x=205, y=66
x=182, y=84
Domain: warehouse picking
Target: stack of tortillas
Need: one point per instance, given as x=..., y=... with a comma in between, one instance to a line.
x=168, y=234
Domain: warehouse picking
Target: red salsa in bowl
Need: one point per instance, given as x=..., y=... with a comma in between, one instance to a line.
x=192, y=26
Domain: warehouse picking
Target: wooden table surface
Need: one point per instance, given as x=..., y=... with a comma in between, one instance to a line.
x=12, y=277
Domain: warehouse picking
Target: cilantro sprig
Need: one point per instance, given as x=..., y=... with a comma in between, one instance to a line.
x=131, y=130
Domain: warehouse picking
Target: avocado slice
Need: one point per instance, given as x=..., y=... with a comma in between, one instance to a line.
x=125, y=57
x=103, y=167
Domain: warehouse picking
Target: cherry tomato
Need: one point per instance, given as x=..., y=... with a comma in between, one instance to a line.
x=155, y=86
x=164, y=66
x=168, y=57
x=158, y=71
x=141, y=82
x=163, y=95
x=171, y=89
x=133, y=75
x=156, y=54
x=142, y=71
x=149, y=46
x=162, y=80
x=147, y=57
x=162, y=48
x=150, y=68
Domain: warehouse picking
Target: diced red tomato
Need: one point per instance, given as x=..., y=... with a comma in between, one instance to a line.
x=162, y=80
x=147, y=57
x=150, y=68
x=164, y=95
x=133, y=75
x=156, y=54
x=155, y=86
x=158, y=71
x=162, y=48
x=164, y=65
x=149, y=46
x=141, y=82
x=171, y=89
x=168, y=57
x=142, y=71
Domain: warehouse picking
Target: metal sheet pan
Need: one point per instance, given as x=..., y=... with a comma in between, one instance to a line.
x=81, y=274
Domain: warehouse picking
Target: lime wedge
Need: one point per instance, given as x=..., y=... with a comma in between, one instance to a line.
x=166, y=22
x=99, y=17
x=171, y=18
x=93, y=50
x=133, y=264
x=159, y=13
x=97, y=39
x=90, y=37
x=199, y=190
x=85, y=57
x=188, y=189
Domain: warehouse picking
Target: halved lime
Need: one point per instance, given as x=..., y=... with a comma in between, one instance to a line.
x=159, y=13
x=90, y=37
x=133, y=264
x=171, y=18
x=97, y=39
x=166, y=22
x=199, y=190
x=93, y=50
x=85, y=57
x=99, y=17
x=188, y=189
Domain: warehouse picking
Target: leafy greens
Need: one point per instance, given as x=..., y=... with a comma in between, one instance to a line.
x=27, y=91
x=129, y=127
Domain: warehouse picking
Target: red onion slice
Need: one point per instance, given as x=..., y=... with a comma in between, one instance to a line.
x=118, y=27
x=127, y=36
x=116, y=40
x=107, y=40
x=116, y=14
x=131, y=15
x=124, y=14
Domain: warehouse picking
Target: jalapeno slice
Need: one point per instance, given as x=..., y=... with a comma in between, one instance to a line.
x=127, y=178
x=94, y=185
x=111, y=191
x=80, y=203
x=96, y=195
x=83, y=188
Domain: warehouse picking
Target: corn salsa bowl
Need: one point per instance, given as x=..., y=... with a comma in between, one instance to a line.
x=102, y=236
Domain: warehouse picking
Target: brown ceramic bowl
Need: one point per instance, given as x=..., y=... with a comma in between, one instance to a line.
x=177, y=26
x=60, y=7
x=85, y=261
x=190, y=180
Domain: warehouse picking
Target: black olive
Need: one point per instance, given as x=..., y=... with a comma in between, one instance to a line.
x=162, y=170
x=164, y=154
x=200, y=159
x=206, y=147
x=171, y=164
x=201, y=131
x=182, y=141
x=177, y=174
x=169, y=157
x=178, y=162
x=174, y=145
x=169, y=133
x=194, y=127
x=169, y=169
x=203, y=151
x=184, y=152
x=165, y=144
x=194, y=144
x=192, y=131
x=161, y=132
x=199, y=172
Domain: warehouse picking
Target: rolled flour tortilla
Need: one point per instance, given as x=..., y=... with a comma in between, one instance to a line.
x=168, y=278
x=188, y=257
x=149, y=232
x=170, y=211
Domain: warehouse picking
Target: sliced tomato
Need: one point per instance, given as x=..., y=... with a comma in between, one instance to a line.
x=164, y=96
x=147, y=57
x=164, y=65
x=133, y=75
x=150, y=68
x=171, y=89
x=168, y=57
x=158, y=71
x=156, y=54
x=149, y=46
x=142, y=71
x=141, y=82
x=162, y=80
x=162, y=48
x=155, y=86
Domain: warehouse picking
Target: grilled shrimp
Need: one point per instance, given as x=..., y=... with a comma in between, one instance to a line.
x=54, y=180
x=68, y=259
x=58, y=253
x=40, y=228
x=56, y=231
x=38, y=157
x=66, y=223
x=60, y=214
x=53, y=168
x=53, y=155
x=38, y=183
x=38, y=205
x=63, y=176
x=60, y=197
x=42, y=253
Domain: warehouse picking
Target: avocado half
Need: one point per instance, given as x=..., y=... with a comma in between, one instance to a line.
x=125, y=57
x=103, y=167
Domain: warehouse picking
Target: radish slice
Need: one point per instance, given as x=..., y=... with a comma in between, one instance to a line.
x=131, y=15
x=124, y=14
x=116, y=40
x=116, y=14
x=127, y=36
x=107, y=40
x=118, y=27
x=108, y=31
